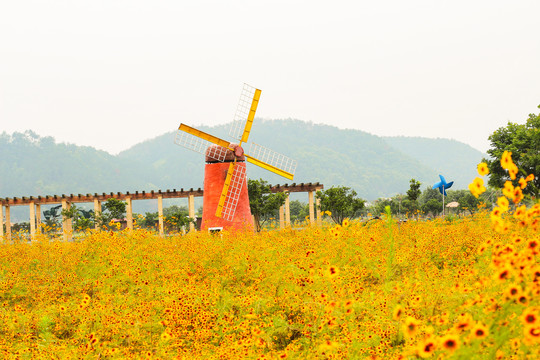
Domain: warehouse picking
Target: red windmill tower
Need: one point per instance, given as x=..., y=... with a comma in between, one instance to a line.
x=226, y=202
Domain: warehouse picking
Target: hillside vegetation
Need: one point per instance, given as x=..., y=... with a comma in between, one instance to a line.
x=372, y=165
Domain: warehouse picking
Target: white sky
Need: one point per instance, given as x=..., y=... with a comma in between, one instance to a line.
x=113, y=73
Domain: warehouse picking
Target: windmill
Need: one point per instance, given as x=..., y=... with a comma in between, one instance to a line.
x=226, y=202
x=442, y=186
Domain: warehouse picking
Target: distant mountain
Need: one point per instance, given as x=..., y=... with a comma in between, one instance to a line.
x=454, y=160
x=374, y=166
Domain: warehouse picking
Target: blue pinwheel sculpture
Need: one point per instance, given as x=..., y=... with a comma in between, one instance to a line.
x=443, y=185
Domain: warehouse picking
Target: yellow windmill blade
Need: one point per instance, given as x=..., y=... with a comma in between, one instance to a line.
x=271, y=161
x=205, y=136
x=269, y=167
x=232, y=189
x=201, y=142
x=245, y=113
x=251, y=116
x=225, y=189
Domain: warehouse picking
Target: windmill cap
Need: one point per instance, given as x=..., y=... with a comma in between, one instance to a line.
x=216, y=153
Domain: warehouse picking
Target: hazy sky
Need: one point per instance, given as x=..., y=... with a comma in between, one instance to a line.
x=113, y=73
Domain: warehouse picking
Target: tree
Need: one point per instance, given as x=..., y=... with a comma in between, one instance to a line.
x=379, y=206
x=523, y=140
x=432, y=206
x=414, y=191
x=82, y=219
x=341, y=201
x=177, y=217
x=112, y=209
x=262, y=202
x=299, y=211
x=52, y=218
x=429, y=194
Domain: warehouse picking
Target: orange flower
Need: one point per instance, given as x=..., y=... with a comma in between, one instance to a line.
x=483, y=169
x=332, y=271
x=532, y=334
x=513, y=171
x=508, y=189
x=477, y=187
x=450, y=342
x=398, y=311
x=520, y=212
x=426, y=348
x=496, y=213
x=506, y=160
x=479, y=331
x=529, y=317
x=503, y=203
x=410, y=326
x=517, y=196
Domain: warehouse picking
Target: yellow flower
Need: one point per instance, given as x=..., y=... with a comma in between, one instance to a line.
x=328, y=345
x=503, y=203
x=483, y=169
x=477, y=187
x=450, y=342
x=513, y=171
x=398, y=311
x=410, y=326
x=517, y=196
x=332, y=271
x=532, y=334
x=506, y=160
x=426, y=348
x=479, y=331
x=496, y=214
x=508, y=189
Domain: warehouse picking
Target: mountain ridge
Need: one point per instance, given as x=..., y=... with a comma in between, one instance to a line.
x=372, y=165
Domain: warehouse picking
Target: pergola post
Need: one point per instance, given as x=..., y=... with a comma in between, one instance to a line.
x=129, y=214
x=1, y=221
x=8, y=223
x=287, y=211
x=67, y=229
x=38, y=218
x=97, y=210
x=318, y=209
x=160, y=214
x=32, y=220
x=311, y=208
x=281, y=217
x=191, y=207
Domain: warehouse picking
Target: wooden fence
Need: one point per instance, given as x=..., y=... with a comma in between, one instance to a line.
x=34, y=204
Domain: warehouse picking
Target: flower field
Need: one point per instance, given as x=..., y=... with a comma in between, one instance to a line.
x=465, y=289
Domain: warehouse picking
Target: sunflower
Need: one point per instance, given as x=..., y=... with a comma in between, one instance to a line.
x=398, y=311
x=332, y=271
x=531, y=334
x=483, y=169
x=506, y=160
x=450, y=342
x=479, y=331
x=529, y=317
x=503, y=203
x=426, y=348
x=410, y=326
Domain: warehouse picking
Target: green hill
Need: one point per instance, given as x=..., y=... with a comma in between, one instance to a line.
x=374, y=166
x=454, y=160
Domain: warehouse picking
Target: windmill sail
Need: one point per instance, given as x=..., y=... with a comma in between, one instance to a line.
x=245, y=113
x=271, y=161
x=233, y=193
x=202, y=142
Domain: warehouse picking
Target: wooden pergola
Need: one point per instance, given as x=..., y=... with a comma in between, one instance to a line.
x=34, y=203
